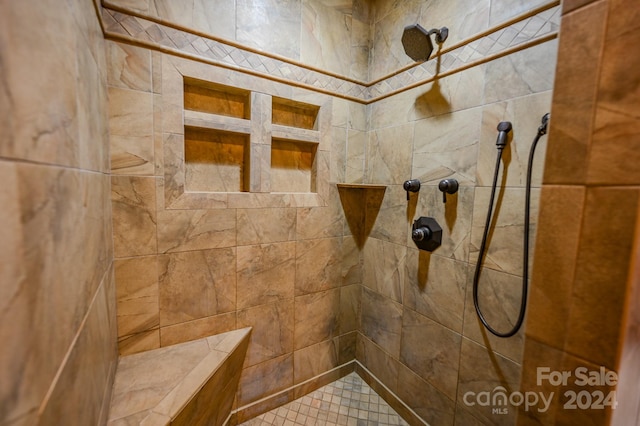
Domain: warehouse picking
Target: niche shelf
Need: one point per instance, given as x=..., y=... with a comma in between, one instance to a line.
x=213, y=98
x=244, y=147
x=216, y=161
x=217, y=121
x=294, y=146
x=290, y=113
x=293, y=166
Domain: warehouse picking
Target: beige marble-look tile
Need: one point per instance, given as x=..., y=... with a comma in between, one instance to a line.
x=265, y=379
x=199, y=15
x=314, y=360
x=197, y=329
x=196, y=284
x=381, y=321
x=347, y=347
x=138, y=386
x=134, y=215
x=481, y=370
x=272, y=334
x=39, y=131
x=266, y=225
x=392, y=222
x=431, y=351
x=388, y=153
x=15, y=305
x=322, y=38
x=265, y=273
x=453, y=93
x=137, y=294
x=383, y=366
x=356, y=146
x=321, y=222
x=384, y=268
x=505, y=9
x=316, y=317
x=522, y=73
x=141, y=342
x=338, y=154
x=80, y=388
x=387, y=53
x=130, y=112
x=602, y=264
x=132, y=155
x=499, y=298
x=454, y=217
x=350, y=302
x=555, y=259
x=360, y=48
x=183, y=230
x=351, y=262
x=61, y=256
x=525, y=114
x=92, y=106
x=435, y=287
x=215, y=161
x=277, y=30
x=574, y=95
x=318, y=265
x=129, y=66
x=463, y=18
x=506, y=249
x=428, y=402
x=446, y=146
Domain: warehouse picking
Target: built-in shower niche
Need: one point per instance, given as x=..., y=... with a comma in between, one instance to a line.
x=216, y=161
x=290, y=113
x=213, y=98
x=217, y=131
x=294, y=146
x=293, y=166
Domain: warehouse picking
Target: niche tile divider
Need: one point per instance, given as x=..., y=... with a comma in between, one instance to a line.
x=257, y=188
x=526, y=30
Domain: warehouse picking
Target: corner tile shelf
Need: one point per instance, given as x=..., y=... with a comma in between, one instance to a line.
x=180, y=384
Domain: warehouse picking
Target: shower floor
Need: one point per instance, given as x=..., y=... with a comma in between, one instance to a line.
x=347, y=401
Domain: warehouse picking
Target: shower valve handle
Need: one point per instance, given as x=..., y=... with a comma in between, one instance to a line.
x=448, y=186
x=412, y=185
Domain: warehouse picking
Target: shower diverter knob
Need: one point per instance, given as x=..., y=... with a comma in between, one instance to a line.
x=426, y=233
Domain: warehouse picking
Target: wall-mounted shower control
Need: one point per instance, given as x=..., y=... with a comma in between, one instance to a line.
x=426, y=233
x=447, y=186
x=412, y=185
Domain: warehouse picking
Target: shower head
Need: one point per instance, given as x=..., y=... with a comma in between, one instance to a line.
x=417, y=41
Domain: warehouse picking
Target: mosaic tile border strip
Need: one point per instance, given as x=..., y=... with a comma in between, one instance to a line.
x=530, y=29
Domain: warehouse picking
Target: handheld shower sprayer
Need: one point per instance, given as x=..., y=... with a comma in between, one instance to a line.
x=504, y=128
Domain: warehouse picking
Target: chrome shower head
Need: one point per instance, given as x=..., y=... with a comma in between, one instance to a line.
x=417, y=41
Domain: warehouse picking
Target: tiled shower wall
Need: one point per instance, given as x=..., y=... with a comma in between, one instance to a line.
x=57, y=309
x=316, y=296
x=419, y=332
x=583, y=298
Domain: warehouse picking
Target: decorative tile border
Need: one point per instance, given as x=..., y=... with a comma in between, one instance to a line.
x=534, y=27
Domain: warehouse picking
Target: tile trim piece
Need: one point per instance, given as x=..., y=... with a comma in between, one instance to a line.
x=529, y=29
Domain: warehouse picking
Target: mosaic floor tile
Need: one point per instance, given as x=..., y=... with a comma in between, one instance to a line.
x=345, y=402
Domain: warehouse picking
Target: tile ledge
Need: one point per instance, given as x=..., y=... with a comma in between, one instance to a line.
x=208, y=354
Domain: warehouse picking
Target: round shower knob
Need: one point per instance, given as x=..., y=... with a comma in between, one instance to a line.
x=448, y=186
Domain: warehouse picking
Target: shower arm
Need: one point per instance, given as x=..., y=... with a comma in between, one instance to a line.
x=441, y=34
